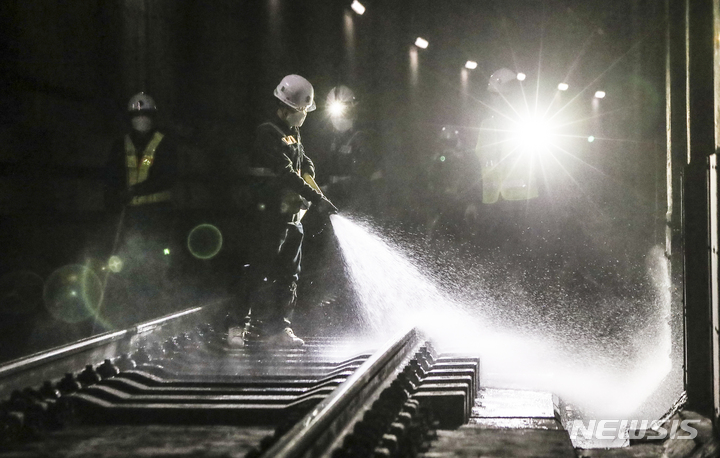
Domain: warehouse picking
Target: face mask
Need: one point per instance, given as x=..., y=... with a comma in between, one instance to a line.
x=142, y=124
x=341, y=124
x=296, y=119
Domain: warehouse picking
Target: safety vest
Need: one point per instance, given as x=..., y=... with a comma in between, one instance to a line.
x=507, y=172
x=138, y=172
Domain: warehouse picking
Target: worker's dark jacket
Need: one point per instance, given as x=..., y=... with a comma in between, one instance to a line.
x=276, y=167
x=353, y=171
x=352, y=155
x=161, y=176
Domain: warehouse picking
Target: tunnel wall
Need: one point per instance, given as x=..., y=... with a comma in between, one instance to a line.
x=70, y=68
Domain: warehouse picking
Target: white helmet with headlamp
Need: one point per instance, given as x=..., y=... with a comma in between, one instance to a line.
x=141, y=108
x=141, y=102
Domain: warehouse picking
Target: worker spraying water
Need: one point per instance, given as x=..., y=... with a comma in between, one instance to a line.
x=284, y=188
x=394, y=287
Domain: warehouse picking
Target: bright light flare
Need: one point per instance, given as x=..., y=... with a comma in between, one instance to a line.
x=115, y=264
x=600, y=95
x=563, y=87
x=358, y=7
x=591, y=139
x=533, y=134
x=336, y=108
x=421, y=43
x=471, y=65
x=521, y=76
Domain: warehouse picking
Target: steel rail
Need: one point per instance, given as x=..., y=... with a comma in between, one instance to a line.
x=54, y=363
x=314, y=434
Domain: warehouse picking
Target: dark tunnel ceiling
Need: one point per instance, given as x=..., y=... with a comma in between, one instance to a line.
x=562, y=37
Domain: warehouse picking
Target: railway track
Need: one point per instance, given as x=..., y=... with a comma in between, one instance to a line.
x=171, y=387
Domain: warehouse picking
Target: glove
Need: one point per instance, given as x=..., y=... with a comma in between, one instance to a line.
x=326, y=207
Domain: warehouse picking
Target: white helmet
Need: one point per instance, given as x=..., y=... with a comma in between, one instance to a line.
x=141, y=102
x=499, y=80
x=297, y=92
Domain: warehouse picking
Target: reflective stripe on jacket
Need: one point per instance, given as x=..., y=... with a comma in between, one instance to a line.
x=138, y=172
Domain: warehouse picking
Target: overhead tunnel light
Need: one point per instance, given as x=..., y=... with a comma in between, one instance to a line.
x=421, y=43
x=563, y=87
x=471, y=65
x=358, y=7
x=600, y=95
x=521, y=76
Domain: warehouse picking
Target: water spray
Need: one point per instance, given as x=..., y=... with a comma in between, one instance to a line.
x=518, y=350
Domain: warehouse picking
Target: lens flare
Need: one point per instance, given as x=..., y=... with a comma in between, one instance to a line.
x=115, y=264
x=73, y=293
x=205, y=241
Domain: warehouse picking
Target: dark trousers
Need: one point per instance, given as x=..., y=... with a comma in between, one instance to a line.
x=274, y=272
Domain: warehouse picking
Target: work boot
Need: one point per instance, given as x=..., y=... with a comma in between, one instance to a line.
x=236, y=337
x=285, y=338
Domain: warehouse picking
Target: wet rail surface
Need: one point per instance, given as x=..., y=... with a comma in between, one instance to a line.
x=172, y=387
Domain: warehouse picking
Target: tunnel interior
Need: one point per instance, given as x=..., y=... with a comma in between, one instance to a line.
x=574, y=292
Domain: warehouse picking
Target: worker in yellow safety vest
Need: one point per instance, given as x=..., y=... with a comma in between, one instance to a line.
x=508, y=163
x=143, y=166
x=507, y=168
x=139, y=176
